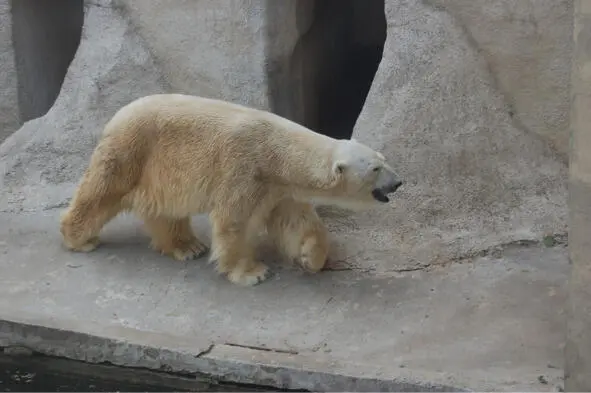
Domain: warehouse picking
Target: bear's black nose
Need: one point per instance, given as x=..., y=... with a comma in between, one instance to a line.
x=380, y=196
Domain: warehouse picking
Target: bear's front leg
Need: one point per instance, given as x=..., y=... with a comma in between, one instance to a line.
x=314, y=252
x=233, y=252
x=81, y=223
x=299, y=234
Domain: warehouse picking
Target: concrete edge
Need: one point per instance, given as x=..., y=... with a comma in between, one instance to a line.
x=226, y=363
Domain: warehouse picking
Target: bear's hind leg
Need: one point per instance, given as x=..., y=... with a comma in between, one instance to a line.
x=174, y=237
x=233, y=252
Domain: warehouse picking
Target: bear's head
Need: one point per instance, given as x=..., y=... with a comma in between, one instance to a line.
x=363, y=175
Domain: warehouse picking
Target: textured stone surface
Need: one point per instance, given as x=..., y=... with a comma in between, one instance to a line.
x=9, y=118
x=473, y=179
x=214, y=48
x=452, y=108
x=527, y=47
x=138, y=53
x=578, y=349
x=41, y=163
x=495, y=324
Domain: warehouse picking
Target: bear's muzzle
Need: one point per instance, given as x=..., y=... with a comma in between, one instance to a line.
x=386, y=183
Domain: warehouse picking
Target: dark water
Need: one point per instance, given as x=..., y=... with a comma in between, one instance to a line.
x=31, y=379
x=45, y=374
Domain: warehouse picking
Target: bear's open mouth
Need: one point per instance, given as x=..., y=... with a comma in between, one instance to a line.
x=380, y=196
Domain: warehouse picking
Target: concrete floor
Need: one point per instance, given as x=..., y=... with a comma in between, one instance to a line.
x=495, y=323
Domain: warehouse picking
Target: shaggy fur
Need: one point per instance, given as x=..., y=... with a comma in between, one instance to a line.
x=166, y=157
x=299, y=234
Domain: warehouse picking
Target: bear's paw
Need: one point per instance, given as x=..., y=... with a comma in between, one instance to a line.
x=249, y=273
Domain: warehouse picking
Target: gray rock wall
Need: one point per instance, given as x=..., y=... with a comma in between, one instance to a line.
x=478, y=138
x=208, y=47
x=578, y=308
x=9, y=117
x=474, y=177
x=40, y=163
x=527, y=47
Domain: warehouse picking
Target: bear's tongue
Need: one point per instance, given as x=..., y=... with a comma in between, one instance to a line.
x=380, y=196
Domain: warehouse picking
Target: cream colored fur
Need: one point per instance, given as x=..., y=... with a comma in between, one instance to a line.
x=299, y=234
x=166, y=157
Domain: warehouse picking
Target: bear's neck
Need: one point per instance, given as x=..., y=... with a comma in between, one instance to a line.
x=302, y=159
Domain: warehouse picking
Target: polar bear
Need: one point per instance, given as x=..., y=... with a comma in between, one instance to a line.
x=166, y=157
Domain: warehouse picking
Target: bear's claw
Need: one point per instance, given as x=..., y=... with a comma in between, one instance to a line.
x=186, y=250
x=89, y=246
x=254, y=274
x=311, y=265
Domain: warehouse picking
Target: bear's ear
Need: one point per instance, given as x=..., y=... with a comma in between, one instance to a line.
x=339, y=167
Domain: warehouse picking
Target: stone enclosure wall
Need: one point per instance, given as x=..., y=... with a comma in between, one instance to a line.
x=467, y=98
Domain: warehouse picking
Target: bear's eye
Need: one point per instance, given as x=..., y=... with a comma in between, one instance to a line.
x=375, y=169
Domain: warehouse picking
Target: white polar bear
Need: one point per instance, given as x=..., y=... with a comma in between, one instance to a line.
x=166, y=157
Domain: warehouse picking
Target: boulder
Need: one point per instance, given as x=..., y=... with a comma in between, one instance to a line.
x=207, y=47
x=41, y=163
x=527, y=46
x=131, y=49
x=474, y=178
